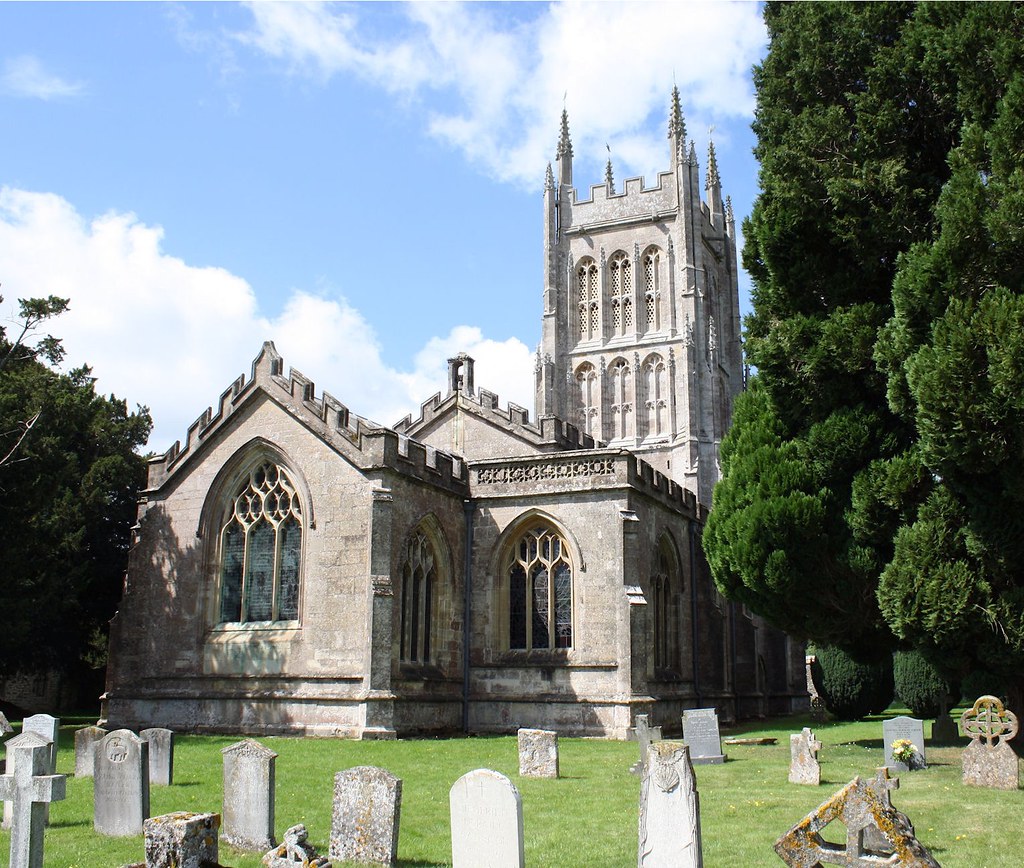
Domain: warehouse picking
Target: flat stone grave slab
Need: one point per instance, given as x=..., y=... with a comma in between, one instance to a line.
x=897, y=728
x=538, y=753
x=249, y=792
x=763, y=740
x=700, y=733
x=366, y=815
x=487, y=821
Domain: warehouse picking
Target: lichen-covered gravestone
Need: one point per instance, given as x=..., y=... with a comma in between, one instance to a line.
x=181, y=840
x=642, y=734
x=120, y=784
x=538, y=753
x=161, y=755
x=249, y=786
x=989, y=761
x=804, y=767
x=487, y=821
x=367, y=809
x=29, y=789
x=899, y=729
x=295, y=851
x=859, y=806
x=85, y=744
x=701, y=735
x=669, y=835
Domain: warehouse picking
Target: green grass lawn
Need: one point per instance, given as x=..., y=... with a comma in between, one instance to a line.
x=586, y=818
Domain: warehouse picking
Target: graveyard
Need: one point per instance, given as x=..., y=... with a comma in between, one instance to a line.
x=587, y=816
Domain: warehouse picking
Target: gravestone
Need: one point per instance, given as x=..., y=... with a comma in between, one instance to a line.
x=181, y=840
x=161, y=755
x=120, y=784
x=643, y=734
x=85, y=743
x=700, y=733
x=48, y=727
x=859, y=805
x=989, y=761
x=5, y=724
x=295, y=852
x=24, y=739
x=249, y=786
x=538, y=753
x=487, y=821
x=29, y=789
x=909, y=728
x=669, y=835
x=804, y=767
x=365, y=818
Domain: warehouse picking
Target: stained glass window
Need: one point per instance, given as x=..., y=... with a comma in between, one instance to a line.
x=261, y=547
x=417, y=605
x=539, y=592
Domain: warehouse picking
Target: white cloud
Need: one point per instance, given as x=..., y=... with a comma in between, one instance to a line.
x=160, y=332
x=25, y=76
x=613, y=63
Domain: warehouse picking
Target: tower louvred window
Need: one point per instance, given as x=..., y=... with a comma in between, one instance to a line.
x=261, y=547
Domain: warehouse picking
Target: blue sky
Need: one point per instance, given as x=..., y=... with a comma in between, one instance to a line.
x=360, y=183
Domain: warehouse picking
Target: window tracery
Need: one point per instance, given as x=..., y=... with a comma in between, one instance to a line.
x=539, y=591
x=621, y=294
x=588, y=293
x=418, y=603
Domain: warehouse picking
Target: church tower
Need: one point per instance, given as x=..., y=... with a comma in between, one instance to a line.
x=640, y=344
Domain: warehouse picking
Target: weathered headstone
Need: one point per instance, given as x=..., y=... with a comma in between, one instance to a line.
x=669, y=835
x=249, y=796
x=29, y=789
x=181, y=840
x=49, y=728
x=367, y=809
x=700, y=733
x=989, y=761
x=538, y=753
x=120, y=784
x=294, y=851
x=858, y=806
x=5, y=724
x=85, y=743
x=487, y=821
x=804, y=767
x=161, y=755
x=899, y=728
x=643, y=734
x=24, y=739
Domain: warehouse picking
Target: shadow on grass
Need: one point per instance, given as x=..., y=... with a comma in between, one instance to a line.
x=68, y=824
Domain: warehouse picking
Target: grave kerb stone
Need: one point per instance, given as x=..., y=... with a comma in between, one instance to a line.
x=29, y=789
x=700, y=733
x=909, y=728
x=366, y=816
x=487, y=821
x=249, y=792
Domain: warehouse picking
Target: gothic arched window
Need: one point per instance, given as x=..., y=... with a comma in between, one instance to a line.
x=588, y=293
x=418, y=602
x=664, y=584
x=655, y=397
x=539, y=576
x=652, y=290
x=261, y=548
x=588, y=404
x=622, y=399
x=621, y=294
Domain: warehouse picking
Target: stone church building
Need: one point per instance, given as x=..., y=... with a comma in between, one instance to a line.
x=300, y=569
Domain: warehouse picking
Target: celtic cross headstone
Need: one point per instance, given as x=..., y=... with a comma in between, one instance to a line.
x=989, y=761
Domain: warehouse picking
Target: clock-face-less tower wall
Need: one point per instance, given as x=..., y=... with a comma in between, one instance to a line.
x=640, y=345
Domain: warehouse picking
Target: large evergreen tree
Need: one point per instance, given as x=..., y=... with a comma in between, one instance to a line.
x=872, y=461
x=68, y=487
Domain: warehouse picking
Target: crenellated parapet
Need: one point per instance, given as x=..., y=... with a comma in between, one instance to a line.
x=635, y=204
x=366, y=444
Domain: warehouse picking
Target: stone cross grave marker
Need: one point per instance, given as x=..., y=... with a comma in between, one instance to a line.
x=366, y=814
x=24, y=739
x=48, y=727
x=181, y=840
x=161, y=755
x=858, y=806
x=804, y=767
x=538, y=753
x=700, y=733
x=669, y=835
x=85, y=744
x=487, y=821
x=909, y=728
x=643, y=734
x=989, y=761
x=29, y=789
x=249, y=787
x=120, y=784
